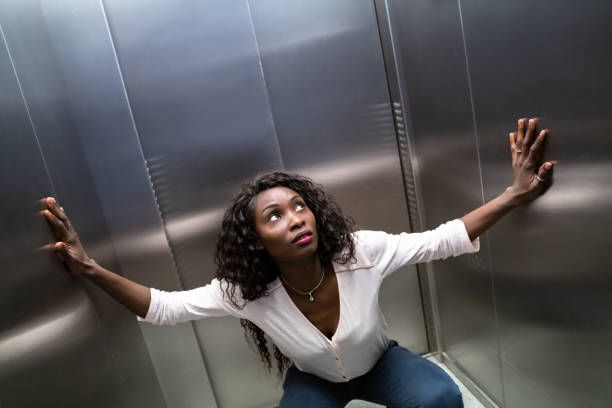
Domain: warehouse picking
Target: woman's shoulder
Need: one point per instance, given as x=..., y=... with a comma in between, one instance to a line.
x=370, y=240
x=225, y=293
x=362, y=255
x=373, y=245
x=232, y=295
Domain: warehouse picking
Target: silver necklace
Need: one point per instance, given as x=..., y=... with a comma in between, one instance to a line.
x=309, y=293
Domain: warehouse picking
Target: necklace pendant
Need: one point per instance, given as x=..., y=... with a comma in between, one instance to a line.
x=311, y=298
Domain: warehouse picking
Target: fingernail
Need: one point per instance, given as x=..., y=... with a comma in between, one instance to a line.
x=531, y=121
x=548, y=166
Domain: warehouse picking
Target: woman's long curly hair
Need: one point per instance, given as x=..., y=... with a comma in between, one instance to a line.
x=241, y=265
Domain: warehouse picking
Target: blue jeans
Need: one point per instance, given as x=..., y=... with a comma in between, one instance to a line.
x=400, y=379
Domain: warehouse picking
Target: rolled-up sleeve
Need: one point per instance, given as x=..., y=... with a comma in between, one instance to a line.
x=169, y=308
x=392, y=251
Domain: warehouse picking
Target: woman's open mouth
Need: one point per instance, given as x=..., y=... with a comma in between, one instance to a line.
x=303, y=238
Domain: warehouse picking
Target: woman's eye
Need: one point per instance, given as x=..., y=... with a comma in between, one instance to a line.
x=300, y=206
x=274, y=217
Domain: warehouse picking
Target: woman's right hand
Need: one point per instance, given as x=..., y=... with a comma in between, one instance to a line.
x=68, y=247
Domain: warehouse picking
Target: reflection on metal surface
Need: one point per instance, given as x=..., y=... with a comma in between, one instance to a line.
x=193, y=225
x=569, y=194
x=353, y=170
x=141, y=243
x=311, y=36
x=574, y=194
x=208, y=221
x=43, y=338
x=339, y=173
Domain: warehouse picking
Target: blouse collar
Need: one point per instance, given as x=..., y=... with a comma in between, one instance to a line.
x=362, y=260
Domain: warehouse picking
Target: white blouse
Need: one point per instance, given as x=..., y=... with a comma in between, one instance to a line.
x=360, y=338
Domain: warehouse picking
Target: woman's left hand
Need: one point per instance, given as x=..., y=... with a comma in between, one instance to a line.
x=531, y=176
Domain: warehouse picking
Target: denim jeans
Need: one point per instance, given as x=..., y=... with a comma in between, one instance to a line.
x=400, y=379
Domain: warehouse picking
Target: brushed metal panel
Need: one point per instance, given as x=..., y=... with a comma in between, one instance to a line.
x=194, y=78
x=78, y=55
x=550, y=259
x=434, y=75
x=325, y=74
x=87, y=65
x=52, y=349
x=200, y=106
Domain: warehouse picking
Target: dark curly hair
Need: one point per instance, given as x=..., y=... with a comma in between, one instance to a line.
x=241, y=265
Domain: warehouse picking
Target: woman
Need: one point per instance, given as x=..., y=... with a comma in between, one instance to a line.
x=289, y=265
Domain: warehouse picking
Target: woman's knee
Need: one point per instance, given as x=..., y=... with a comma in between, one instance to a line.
x=442, y=394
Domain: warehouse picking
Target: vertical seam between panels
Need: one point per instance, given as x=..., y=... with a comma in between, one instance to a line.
x=135, y=128
x=419, y=221
x=391, y=75
x=488, y=242
x=159, y=212
x=390, y=63
x=263, y=77
x=429, y=299
x=25, y=103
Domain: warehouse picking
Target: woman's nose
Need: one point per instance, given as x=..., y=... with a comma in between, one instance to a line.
x=295, y=221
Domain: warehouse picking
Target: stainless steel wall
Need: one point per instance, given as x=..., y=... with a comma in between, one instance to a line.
x=148, y=116
x=550, y=260
x=430, y=53
x=527, y=318
x=59, y=338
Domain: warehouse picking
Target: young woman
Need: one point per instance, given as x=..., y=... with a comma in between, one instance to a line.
x=290, y=266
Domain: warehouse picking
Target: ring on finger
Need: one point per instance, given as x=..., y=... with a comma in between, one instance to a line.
x=517, y=149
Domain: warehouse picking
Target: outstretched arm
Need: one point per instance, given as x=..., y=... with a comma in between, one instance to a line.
x=531, y=178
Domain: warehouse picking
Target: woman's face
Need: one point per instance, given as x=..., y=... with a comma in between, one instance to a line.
x=286, y=227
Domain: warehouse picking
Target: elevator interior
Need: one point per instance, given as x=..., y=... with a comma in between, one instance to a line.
x=144, y=117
